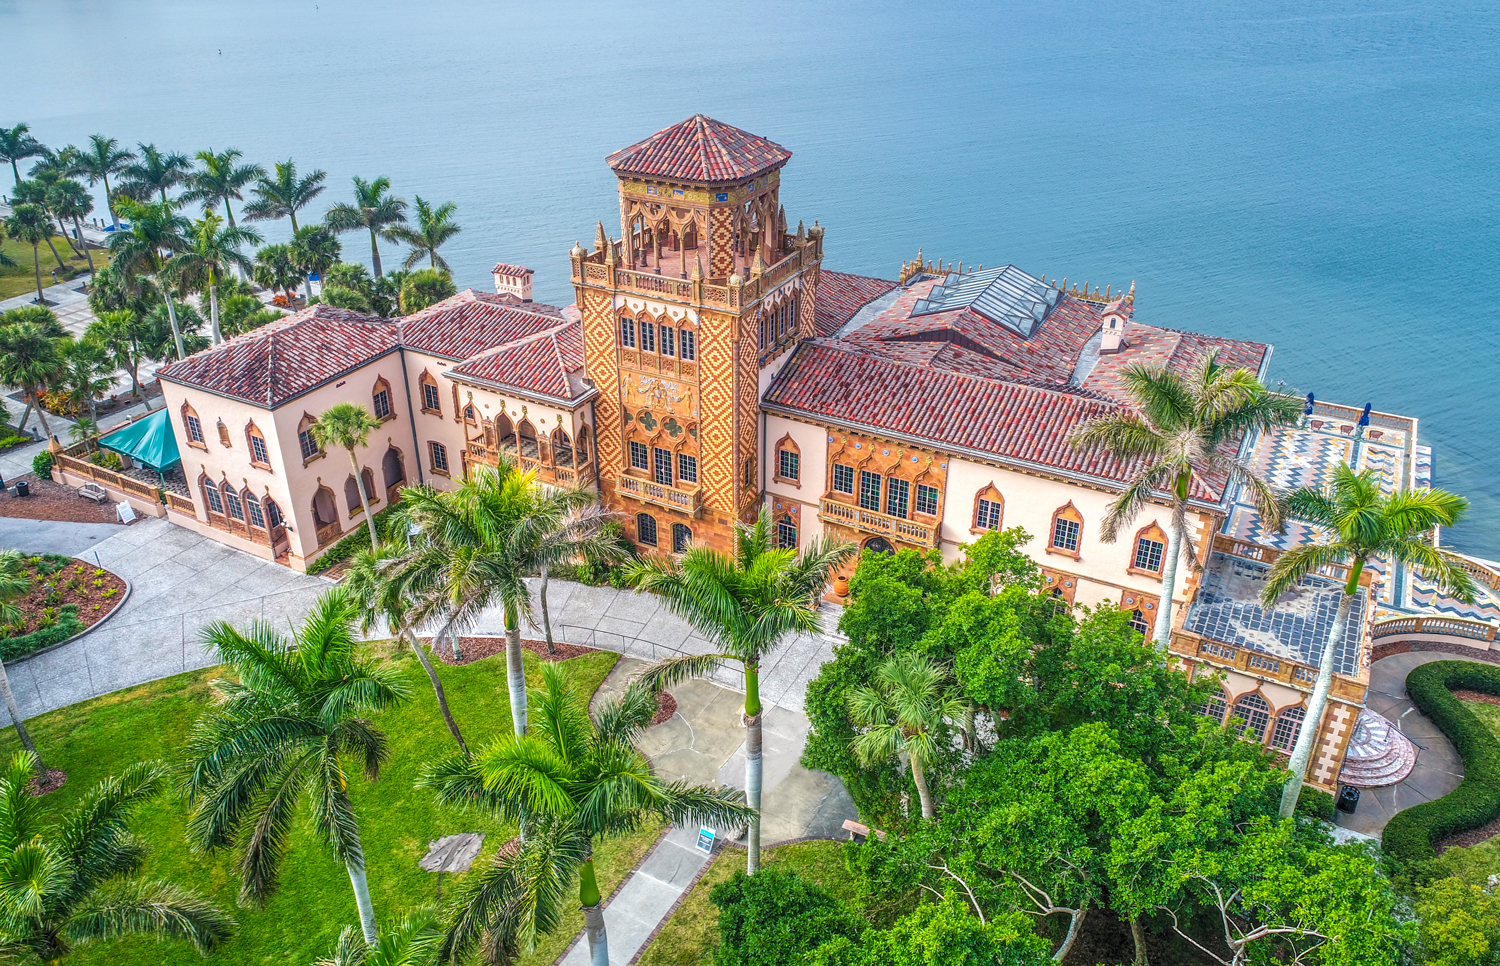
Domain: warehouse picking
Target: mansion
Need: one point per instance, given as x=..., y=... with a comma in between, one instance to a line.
x=711, y=366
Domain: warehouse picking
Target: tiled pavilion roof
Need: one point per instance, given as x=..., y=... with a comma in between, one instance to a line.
x=538, y=363
x=700, y=149
x=472, y=322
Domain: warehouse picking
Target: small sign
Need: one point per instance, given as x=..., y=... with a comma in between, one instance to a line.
x=721, y=196
x=706, y=840
x=126, y=512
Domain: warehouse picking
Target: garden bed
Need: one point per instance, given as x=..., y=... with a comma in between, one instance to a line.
x=67, y=597
x=53, y=501
x=478, y=648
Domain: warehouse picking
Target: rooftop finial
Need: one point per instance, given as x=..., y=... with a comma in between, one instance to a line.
x=609, y=252
x=757, y=267
x=698, y=267
x=601, y=240
x=1130, y=297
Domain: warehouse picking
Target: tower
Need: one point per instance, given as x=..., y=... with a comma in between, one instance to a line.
x=704, y=287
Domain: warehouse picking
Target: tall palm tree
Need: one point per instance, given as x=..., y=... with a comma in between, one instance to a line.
x=1178, y=431
x=214, y=249
x=1357, y=523
x=375, y=209
x=435, y=227
x=284, y=195
x=15, y=581
x=906, y=714
x=385, y=590
x=157, y=232
x=17, y=144
x=219, y=180
x=315, y=250
x=410, y=941
x=102, y=158
x=347, y=425
x=120, y=333
x=76, y=883
x=70, y=200
x=34, y=192
x=31, y=357
x=46, y=175
x=283, y=736
x=85, y=377
x=30, y=224
x=570, y=783
x=275, y=270
x=154, y=173
x=745, y=604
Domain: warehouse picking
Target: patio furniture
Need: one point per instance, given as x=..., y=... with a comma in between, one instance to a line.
x=93, y=491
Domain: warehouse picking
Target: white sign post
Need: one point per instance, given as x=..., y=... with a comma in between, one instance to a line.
x=126, y=511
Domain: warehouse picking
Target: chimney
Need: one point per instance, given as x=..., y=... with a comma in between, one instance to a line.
x=513, y=280
x=1114, y=329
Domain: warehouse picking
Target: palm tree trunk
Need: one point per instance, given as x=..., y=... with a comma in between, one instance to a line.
x=1075, y=923
x=15, y=717
x=593, y=914
x=293, y=215
x=359, y=484
x=919, y=775
x=515, y=671
x=135, y=379
x=87, y=254
x=41, y=412
x=1312, y=724
x=213, y=311
x=437, y=688
x=1162, y=634
x=375, y=253
x=754, y=764
x=172, y=317
x=36, y=261
x=1139, y=936
x=546, y=617
x=307, y=286
x=25, y=413
x=61, y=265
x=362, y=902
x=62, y=229
x=109, y=202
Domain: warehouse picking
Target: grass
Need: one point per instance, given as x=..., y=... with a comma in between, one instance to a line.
x=691, y=935
x=1487, y=713
x=22, y=278
x=300, y=924
x=1476, y=863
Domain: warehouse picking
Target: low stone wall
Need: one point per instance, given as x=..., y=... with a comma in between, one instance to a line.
x=142, y=497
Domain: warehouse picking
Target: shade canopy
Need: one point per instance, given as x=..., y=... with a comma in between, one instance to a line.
x=149, y=441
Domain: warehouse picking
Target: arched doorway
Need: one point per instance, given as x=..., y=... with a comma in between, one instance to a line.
x=325, y=516
x=879, y=545
x=393, y=470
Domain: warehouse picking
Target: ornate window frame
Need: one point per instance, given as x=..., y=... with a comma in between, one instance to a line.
x=252, y=433
x=789, y=446
x=641, y=531
x=1065, y=512
x=1150, y=531
x=382, y=386
x=192, y=426
x=304, y=425
x=224, y=435
x=424, y=381
x=991, y=494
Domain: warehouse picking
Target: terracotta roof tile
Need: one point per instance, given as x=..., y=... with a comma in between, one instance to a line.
x=472, y=322
x=514, y=271
x=840, y=296
x=539, y=363
x=700, y=149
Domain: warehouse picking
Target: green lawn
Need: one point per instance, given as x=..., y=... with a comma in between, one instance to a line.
x=21, y=278
x=691, y=935
x=1476, y=863
x=300, y=924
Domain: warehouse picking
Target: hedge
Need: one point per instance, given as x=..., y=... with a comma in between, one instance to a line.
x=1411, y=835
x=358, y=539
x=68, y=624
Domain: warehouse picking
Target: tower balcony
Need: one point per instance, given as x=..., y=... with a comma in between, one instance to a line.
x=883, y=524
x=672, y=497
x=669, y=279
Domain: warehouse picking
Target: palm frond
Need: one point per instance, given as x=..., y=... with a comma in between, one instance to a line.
x=623, y=719
x=1296, y=563
x=664, y=675
x=1441, y=567
x=158, y=909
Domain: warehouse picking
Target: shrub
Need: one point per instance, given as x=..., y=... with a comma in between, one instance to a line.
x=108, y=459
x=425, y=287
x=1410, y=836
x=66, y=625
x=41, y=465
x=776, y=917
x=358, y=539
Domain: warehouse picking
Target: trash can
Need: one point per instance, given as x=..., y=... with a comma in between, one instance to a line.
x=1348, y=799
x=23, y=488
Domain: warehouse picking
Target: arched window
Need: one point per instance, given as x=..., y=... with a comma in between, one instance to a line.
x=506, y=434
x=1214, y=707
x=324, y=512
x=192, y=426
x=380, y=400
x=260, y=454
x=368, y=478
x=432, y=399
x=1138, y=622
x=627, y=333
x=1067, y=531
x=252, y=508
x=562, y=447
x=645, y=529
x=1288, y=727
x=1150, y=550
x=351, y=496
x=583, y=445
x=470, y=416
x=1256, y=714
x=786, y=533
x=211, y=498
x=788, y=461
x=989, y=508
x=526, y=434
x=273, y=513
x=232, y=502
x=392, y=468
x=682, y=538
x=223, y=433
x=306, y=440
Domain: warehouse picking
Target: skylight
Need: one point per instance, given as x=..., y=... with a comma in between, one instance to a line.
x=1005, y=295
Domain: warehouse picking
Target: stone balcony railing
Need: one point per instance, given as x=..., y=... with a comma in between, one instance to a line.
x=590, y=270
x=871, y=521
x=672, y=497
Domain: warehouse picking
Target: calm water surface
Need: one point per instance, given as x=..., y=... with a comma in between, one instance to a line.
x=1321, y=177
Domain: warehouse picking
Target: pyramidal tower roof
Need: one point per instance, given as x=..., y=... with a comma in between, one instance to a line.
x=700, y=149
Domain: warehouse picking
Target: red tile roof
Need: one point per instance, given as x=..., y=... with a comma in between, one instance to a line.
x=700, y=149
x=538, y=363
x=290, y=356
x=840, y=296
x=514, y=271
x=472, y=322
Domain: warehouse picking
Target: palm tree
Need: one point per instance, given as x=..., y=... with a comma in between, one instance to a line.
x=1357, y=523
x=384, y=590
x=570, y=784
x=435, y=227
x=347, y=425
x=119, y=333
x=214, y=250
x=34, y=192
x=411, y=941
x=103, y=158
x=314, y=251
x=17, y=144
x=155, y=229
x=578, y=536
x=85, y=377
x=906, y=715
x=220, y=180
x=1178, y=431
x=281, y=737
x=153, y=173
x=745, y=604
x=15, y=581
x=75, y=883
x=284, y=195
x=70, y=200
x=30, y=224
x=275, y=270
x=31, y=357
x=375, y=210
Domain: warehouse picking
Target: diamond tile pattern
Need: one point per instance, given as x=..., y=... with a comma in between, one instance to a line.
x=700, y=149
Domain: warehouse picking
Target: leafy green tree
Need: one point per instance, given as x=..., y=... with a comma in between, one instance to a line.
x=17, y=144
x=85, y=376
x=777, y=917
x=435, y=228
x=31, y=356
x=570, y=783
x=102, y=158
x=34, y=193
x=289, y=726
x=29, y=224
x=275, y=269
x=120, y=333
x=906, y=714
x=70, y=200
x=220, y=180
x=746, y=604
x=37, y=315
x=76, y=884
x=161, y=338
x=347, y=426
x=411, y=941
x=153, y=174
x=15, y=581
x=157, y=232
x=939, y=934
x=214, y=249
x=375, y=210
x=344, y=298
x=314, y=249
x=428, y=286
x=1178, y=431
x=283, y=195
x=1460, y=924
x=1357, y=523
x=239, y=314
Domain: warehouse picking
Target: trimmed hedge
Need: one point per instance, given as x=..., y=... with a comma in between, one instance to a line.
x=1410, y=836
x=68, y=624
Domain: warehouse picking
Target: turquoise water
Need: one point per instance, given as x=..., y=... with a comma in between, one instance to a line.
x=1323, y=181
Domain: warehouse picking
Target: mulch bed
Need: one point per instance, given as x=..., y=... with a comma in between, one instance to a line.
x=666, y=706
x=1440, y=647
x=1476, y=696
x=53, y=501
x=48, y=783
x=76, y=584
x=479, y=648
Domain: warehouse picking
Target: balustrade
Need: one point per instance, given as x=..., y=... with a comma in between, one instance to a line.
x=676, y=498
x=870, y=521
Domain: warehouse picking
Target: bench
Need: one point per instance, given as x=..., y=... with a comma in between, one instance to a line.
x=93, y=491
x=861, y=831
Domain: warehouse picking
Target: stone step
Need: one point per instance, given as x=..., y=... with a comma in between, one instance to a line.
x=1378, y=753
